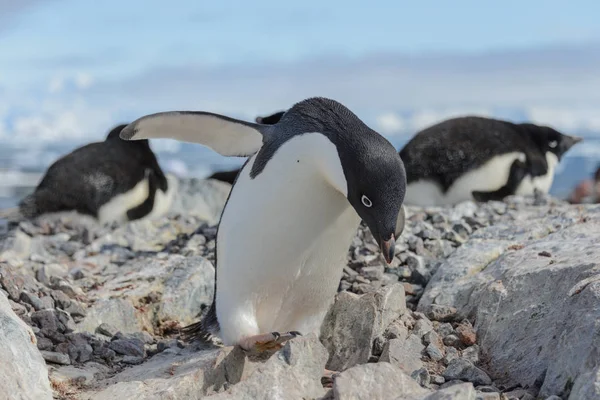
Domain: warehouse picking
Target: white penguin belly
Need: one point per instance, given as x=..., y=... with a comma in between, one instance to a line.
x=282, y=243
x=162, y=200
x=489, y=177
x=542, y=183
x=115, y=210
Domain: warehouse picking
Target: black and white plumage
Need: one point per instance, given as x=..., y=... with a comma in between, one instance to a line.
x=229, y=176
x=112, y=181
x=481, y=159
x=291, y=215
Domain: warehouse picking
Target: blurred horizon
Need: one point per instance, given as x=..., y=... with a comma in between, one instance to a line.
x=71, y=70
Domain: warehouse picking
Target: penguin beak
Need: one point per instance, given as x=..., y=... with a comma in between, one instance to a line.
x=388, y=248
x=570, y=141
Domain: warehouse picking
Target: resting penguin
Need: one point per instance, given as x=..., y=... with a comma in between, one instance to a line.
x=291, y=215
x=113, y=181
x=229, y=176
x=481, y=159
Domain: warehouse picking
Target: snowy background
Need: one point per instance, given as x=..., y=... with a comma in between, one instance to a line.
x=70, y=70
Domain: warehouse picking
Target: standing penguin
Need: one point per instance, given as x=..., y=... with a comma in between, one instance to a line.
x=229, y=176
x=291, y=215
x=112, y=181
x=481, y=159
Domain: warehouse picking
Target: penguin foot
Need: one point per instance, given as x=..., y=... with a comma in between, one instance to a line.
x=267, y=341
x=328, y=378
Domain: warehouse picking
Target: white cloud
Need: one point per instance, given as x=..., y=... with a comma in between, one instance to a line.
x=56, y=84
x=390, y=123
x=568, y=119
x=83, y=80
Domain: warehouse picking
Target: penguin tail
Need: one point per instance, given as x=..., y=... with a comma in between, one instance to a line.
x=28, y=207
x=203, y=330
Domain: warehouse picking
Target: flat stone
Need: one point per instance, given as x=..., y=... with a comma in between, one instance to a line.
x=23, y=371
x=128, y=347
x=119, y=313
x=441, y=313
x=465, y=370
x=56, y=358
x=380, y=381
x=353, y=322
x=462, y=391
x=405, y=354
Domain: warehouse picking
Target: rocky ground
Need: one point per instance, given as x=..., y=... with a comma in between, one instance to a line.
x=491, y=301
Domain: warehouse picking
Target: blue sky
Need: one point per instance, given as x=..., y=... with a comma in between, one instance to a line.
x=70, y=69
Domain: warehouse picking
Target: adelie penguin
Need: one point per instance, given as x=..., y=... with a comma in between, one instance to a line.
x=291, y=215
x=229, y=176
x=481, y=159
x=112, y=181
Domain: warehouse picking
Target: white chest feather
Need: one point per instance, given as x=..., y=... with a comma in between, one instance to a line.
x=488, y=178
x=542, y=183
x=115, y=210
x=283, y=240
x=162, y=200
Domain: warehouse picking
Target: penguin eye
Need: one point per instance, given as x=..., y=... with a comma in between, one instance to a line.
x=553, y=144
x=366, y=201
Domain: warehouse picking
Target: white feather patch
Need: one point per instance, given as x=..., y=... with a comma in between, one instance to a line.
x=226, y=137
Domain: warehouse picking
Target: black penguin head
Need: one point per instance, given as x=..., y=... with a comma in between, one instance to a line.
x=374, y=173
x=376, y=188
x=550, y=140
x=271, y=119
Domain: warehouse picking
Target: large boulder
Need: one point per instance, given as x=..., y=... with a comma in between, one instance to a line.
x=23, y=373
x=533, y=289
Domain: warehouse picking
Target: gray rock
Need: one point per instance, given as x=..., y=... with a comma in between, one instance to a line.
x=119, y=313
x=56, y=358
x=128, y=347
x=445, y=329
x=188, y=289
x=421, y=376
x=422, y=327
x=471, y=354
x=379, y=381
x=202, y=198
x=405, y=354
x=462, y=391
x=32, y=299
x=106, y=329
x=434, y=352
x=44, y=344
x=293, y=373
x=466, y=371
x=353, y=322
x=517, y=296
x=452, y=340
x=487, y=395
x=440, y=313
x=587, y=386
x=22, y=370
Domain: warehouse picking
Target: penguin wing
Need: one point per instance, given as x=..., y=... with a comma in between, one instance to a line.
x=226, y=136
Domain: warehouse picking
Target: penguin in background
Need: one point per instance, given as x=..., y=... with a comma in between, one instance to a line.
x=481, y=159
x=291, y=214
x=229, y=176
x=112, y=181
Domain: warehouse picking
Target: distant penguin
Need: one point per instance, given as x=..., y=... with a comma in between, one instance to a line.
x=481, y=159
x=229, y=176
x=291, y=215
x=112, y=181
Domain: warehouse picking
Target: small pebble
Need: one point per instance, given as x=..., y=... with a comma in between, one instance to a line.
x=466, y=334
x=452, y=340
x=56, y=358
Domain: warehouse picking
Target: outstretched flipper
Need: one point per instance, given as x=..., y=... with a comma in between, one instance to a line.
x=226, y=136
x=518, y=170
